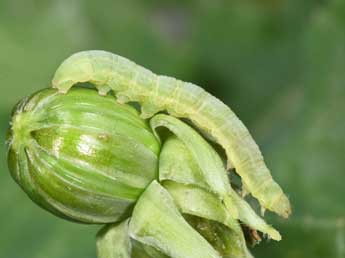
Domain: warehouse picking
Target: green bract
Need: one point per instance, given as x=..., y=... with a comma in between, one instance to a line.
x=81, y=156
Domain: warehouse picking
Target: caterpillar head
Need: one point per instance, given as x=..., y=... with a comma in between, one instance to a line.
x=76, y=68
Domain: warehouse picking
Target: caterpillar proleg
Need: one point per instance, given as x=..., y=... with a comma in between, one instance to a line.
x=131, y=82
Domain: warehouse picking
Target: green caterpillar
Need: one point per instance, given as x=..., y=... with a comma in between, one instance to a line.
x=155, y=93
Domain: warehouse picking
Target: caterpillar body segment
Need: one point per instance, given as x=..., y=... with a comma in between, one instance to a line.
x=131, y=82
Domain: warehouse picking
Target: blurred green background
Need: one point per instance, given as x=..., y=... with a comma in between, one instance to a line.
x=280, y=65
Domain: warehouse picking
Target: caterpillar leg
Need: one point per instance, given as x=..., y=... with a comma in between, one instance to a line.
x=103, y=89
x=148, y=110
x=63, y=87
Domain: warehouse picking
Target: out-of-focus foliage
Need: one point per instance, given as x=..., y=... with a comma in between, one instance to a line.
x=279, y=64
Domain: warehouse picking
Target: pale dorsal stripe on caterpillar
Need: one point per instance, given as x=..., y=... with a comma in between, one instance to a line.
x=131, y=82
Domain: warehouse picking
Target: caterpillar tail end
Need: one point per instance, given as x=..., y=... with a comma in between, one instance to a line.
x=271, y=198
x=282, y=206
x=285, y=210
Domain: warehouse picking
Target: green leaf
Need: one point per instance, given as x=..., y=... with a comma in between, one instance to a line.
x=195, y=201
x=177, y=163
x=157, y=222
x=113, y=241
x=207, y=167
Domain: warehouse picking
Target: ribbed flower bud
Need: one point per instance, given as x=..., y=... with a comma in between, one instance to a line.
x=81, y=156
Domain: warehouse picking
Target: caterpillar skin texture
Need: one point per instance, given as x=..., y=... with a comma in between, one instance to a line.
x=131, y=82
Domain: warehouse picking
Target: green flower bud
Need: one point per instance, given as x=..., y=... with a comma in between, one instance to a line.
x=81, y=156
